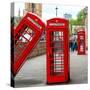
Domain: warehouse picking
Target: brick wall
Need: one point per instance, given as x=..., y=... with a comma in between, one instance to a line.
x=39, y=49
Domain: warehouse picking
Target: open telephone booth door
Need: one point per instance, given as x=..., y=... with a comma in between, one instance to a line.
x=25, y=37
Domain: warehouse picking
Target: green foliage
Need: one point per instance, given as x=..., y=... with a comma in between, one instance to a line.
x=81, y=15
x=73, y=22
x=80, y=19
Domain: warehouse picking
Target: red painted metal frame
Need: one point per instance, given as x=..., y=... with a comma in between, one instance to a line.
x=33, y=22
x=61, y=26
x=81, y=43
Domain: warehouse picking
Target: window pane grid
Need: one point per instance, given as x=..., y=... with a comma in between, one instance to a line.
x=57, y=44
x=21, y=41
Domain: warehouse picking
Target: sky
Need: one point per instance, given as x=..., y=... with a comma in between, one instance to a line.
x=49, y=11
x=19, y=5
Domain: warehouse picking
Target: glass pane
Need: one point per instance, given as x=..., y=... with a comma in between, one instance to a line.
x=58, y=52
x=23, y=38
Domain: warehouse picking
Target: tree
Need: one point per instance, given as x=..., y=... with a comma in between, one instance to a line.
x=81, y=17
x=79, y=21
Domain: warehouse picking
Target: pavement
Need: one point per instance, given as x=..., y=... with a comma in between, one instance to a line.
x=33, y=72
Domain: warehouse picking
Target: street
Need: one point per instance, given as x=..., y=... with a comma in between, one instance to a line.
x=33, y=72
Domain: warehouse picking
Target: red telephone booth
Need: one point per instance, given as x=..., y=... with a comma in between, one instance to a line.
x=81, y=42
x=25, y=37
x=57, y=45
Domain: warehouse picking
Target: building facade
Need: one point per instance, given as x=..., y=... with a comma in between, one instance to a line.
x=85, y=10
x=34, y=8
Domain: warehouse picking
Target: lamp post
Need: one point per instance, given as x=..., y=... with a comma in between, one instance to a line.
x=56, y=10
